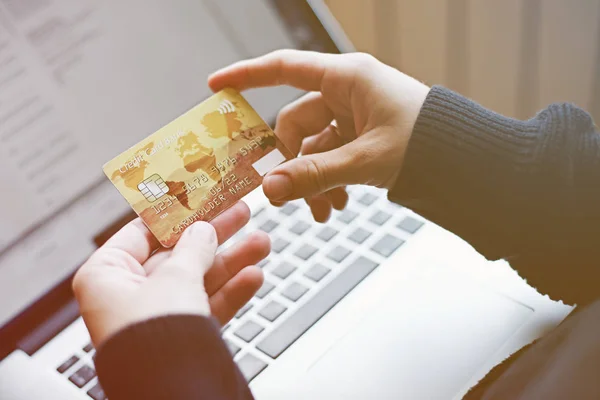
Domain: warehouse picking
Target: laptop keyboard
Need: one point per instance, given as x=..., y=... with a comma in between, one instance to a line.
x=311, y=268
x=79, y=370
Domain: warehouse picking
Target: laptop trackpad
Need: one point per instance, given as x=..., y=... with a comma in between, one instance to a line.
x=425, y=341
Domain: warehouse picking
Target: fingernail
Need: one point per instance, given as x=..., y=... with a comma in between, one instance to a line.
x=203, y=229
x=277, y=187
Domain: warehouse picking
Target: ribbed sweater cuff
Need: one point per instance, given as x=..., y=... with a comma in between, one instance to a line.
x=172, y=357
x=458, y=161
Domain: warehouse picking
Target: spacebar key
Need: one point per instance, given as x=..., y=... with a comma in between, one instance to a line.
x=307, y=315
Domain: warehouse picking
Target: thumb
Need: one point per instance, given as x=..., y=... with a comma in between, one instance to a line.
x=313, y=174
x=195, y=250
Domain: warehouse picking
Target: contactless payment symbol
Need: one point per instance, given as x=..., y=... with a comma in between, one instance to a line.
x=225, y=107
x=153, y=188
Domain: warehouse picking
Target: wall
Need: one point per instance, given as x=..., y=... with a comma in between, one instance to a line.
x=514, y=56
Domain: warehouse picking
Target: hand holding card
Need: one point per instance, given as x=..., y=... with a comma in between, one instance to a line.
x=197, y=166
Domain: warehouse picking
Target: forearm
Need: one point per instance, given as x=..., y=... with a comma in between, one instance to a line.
x=525, y=191
x=172, y=357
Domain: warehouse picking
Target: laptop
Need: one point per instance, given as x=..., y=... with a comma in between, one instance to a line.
x=376, y=303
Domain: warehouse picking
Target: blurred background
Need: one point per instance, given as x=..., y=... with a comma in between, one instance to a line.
x=514, y=56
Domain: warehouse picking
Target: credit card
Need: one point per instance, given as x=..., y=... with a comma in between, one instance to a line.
x=197, y=166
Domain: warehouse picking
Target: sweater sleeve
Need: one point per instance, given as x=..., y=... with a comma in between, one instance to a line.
x=525, y=191
x=172, y=357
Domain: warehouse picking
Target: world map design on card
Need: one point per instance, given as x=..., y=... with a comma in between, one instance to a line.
x=197, y=166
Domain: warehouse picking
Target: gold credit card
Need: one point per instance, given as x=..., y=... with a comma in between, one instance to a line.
x=197, y=166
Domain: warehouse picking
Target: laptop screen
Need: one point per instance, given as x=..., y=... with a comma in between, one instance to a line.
x=80, y=81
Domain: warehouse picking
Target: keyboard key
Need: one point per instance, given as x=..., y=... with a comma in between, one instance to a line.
x=284, y=270
x=304, y=317
x=272, y=311
x=300, y=227
x=248, y=331
x=347, y=216
x=338, y=254
x=265, y=289
x=269, y=225
x=306, y=251
x=82, y=376
x=294, y=291
x=410, y=225
x=243, y=310
x=289, y=208
x=380, y=218
x=233, y=348
x=317, y=272
x=67, y=364
x=327, y=233
x=279, y=244
x=387, y=245
x=263, y=262
x=88, y=347
x=359, y=235
x=250, y=366
x=367, y=199
x=97, y=393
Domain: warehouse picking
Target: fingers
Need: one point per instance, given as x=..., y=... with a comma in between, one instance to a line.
x=226, y=225
x=278, y=203
x=302, y=118
x=328, y=139
x=195, y=251
x=321, y=204
x=302, y=69
x=320, y=207
x=227, y=264
x=313, y=174
x=338, y=197
x=231, y=220
x=296, y=124
x=225, y=303
x=134, y=239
